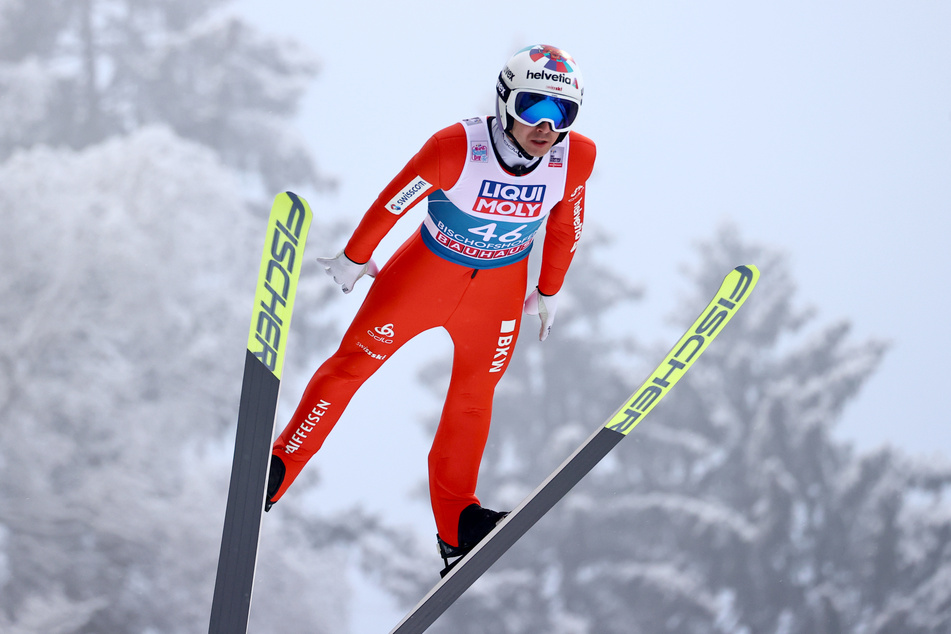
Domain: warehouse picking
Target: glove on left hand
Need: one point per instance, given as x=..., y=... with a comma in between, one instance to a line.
x=545, y=307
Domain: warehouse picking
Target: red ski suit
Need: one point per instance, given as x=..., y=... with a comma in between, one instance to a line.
x=479, y=304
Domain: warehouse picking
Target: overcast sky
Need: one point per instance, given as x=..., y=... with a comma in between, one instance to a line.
x=820, y=129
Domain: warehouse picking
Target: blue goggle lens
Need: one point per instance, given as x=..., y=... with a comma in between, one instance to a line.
x=533, y=108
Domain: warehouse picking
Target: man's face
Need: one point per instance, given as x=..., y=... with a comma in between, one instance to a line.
x=536, y=140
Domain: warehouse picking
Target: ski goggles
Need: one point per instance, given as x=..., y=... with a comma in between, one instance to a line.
x=533, y=108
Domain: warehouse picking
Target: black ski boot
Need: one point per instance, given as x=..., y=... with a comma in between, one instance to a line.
x=275, y=476
x=475, y=523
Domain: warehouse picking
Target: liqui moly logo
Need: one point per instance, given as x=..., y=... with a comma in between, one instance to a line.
x=503, y=199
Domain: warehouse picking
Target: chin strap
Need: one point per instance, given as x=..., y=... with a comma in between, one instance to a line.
x=509, y=153
x=519, y=150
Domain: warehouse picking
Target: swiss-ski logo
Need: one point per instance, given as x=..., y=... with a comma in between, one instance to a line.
x=503, y=199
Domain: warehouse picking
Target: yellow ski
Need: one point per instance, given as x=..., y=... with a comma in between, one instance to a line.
x=733, y=292
x=264, y=362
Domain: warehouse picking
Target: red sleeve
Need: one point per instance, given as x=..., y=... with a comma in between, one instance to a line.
x=439, y=163
x=563, y=229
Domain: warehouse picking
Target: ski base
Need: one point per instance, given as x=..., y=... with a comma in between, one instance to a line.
x=467, y=570
x=239, y=540
x=733, y=292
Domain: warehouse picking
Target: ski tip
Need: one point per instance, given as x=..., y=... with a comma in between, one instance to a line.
x=742, y=280
x=288, y=224
x=296, y=201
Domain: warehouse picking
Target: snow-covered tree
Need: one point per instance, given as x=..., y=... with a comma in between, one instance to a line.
x=76, y=72
x=131, y=134
x=732, y=508
x=124, y=275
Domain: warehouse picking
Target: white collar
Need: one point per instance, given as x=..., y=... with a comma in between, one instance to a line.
x=508, y=151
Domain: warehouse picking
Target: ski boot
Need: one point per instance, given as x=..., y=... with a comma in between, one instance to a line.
x=275, y=476
x=475, y=523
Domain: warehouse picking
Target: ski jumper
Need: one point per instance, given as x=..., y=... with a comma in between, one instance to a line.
x=465, y=270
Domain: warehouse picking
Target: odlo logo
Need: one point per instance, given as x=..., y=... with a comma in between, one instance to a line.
x=383, y=334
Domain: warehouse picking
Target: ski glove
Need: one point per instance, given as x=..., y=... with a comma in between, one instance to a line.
x=545, y=307
x=345, y=271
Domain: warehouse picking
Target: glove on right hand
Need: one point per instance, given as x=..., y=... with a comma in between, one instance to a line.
x=345, y=271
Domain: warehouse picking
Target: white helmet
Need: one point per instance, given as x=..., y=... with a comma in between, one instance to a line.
x=540, y=83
